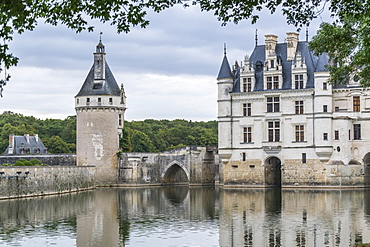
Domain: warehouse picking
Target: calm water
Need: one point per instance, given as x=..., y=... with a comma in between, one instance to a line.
x=182, y=216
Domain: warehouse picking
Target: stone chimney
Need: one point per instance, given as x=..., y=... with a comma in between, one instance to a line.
x=270, y=45
x=27, y=137
x=292, y=43
x=36, y=137
x=11, y=144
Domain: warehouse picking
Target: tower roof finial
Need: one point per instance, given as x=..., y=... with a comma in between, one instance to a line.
x=100, y=36
x=225, y=49
x=256, y=36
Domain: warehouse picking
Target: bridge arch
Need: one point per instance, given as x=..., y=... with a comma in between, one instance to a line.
x=175, y=173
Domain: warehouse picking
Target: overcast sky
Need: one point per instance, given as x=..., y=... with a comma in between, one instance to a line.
x=169, y=69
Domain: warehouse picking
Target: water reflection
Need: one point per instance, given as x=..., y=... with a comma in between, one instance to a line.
x=183, y=216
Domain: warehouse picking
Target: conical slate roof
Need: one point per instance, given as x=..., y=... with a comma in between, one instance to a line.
x=110, y=86
x=225, y=71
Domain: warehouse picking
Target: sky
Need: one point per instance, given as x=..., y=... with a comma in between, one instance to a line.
x=168, y=69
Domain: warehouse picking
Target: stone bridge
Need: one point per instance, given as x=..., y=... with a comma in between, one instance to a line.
x=188, y=165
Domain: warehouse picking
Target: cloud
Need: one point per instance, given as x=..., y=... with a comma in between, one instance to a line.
x=169, y=69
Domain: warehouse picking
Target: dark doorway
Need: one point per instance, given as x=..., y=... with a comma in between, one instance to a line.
x=273, y=172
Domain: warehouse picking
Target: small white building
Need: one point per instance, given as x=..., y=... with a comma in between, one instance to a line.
x=282, y=124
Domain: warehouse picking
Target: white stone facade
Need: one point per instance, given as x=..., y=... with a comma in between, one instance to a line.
x=282, y=124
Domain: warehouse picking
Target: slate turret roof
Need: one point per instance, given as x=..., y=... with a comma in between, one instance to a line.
x=225, y=71
x=107, y=86
x=110, y=87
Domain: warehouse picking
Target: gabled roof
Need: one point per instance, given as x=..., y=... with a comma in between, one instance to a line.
x=110, y=86
x=225, y=71
x=21, y=146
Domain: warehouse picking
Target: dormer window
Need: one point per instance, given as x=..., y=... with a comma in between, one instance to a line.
x=97, y=85
x=272, y=63
x=247, y=84
x=272, y=82
x=298, y=81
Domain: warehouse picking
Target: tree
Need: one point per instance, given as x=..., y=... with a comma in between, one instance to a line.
x=125, y=142
x=17, y=16
x=55, y=144
x=347, y=42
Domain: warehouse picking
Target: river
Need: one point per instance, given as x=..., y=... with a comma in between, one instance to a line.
x=183, y=216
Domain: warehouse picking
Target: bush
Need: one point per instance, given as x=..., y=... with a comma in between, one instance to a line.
x=19, y=163
x=27, y=163
x=36, y=162
x=22, y=160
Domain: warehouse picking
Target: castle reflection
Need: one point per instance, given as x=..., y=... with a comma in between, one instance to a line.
x=183, y=216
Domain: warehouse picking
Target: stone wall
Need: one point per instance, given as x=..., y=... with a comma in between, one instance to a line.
x=43, y=180
x=49, y=159
x=190, y=165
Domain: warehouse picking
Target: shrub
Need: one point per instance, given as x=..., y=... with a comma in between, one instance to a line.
x=19, y=163
x=22, y=160
x=36, y=162
x=27, y=163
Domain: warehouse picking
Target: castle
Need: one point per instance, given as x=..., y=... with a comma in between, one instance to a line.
x=100, y=106
x=282, y=124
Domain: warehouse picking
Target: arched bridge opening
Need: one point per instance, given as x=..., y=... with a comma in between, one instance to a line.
x=175, y=174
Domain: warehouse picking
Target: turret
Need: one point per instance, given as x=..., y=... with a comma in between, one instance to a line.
x=100, y=105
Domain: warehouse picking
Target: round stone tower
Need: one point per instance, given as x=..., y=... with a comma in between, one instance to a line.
x=100, y=106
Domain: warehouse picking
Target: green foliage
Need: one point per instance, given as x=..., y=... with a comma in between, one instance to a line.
x=56, y=144
x=15, y=123
x=125, y=144
x=150, y=135
x=347, y=42
x=36, y=162
x=27, y=163
x=166, y=134
x=19, y=163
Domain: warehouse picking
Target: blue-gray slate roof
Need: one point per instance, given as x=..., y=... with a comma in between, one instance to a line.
x=34, y=146
x=225, y=71
x=257, y=59
x=110, y=87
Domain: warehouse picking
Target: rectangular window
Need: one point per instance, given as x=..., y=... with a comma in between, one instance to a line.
x=304, y=158
x=356, y=103
x=119, y=120
x=325, y=136
x=276, y=82
x=349, y=134
x=299, y=107
x=269, y=82
x=110, y=101
x=99, y=101
x=273, y=104
x=298, y=80
x=274, y=131
x=247, y=134
x=336, y=134
x=357, y=132
x=325, y=86
x=249, y=84
x=336, y=109
x=78, y=101
x=87, y=101
x=299, y=133
x=272, y=63
x=247, y=109
x=244, y=156
x=325, y=108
